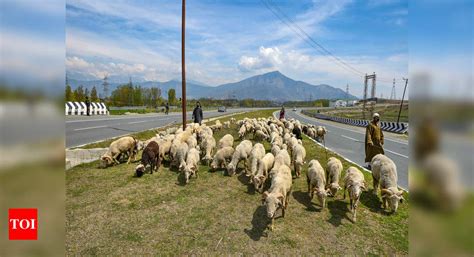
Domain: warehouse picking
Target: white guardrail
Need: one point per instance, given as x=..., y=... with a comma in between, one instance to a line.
x=80, y=108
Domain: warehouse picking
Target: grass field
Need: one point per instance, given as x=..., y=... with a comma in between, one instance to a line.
x=387, y=112
x=110, y=212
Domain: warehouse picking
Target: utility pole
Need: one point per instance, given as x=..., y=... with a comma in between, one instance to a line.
x=183, y=66
x=106, y=87
x=401, y=104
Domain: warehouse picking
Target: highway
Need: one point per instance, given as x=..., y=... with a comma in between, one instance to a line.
x=348, y=141
x=82, y=130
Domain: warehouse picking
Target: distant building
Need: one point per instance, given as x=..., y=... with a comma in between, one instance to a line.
x=352, y=103
x=338, y=103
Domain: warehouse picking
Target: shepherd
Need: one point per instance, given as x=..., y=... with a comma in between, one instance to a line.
x=282, y=113
x=373, y=140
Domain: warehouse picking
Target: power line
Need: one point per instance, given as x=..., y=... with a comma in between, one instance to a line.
x=320, y=48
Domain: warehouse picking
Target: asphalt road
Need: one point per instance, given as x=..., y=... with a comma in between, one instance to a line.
x=348, y=141
x=82, y=130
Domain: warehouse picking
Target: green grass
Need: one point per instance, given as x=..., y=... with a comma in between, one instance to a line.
x=387, y=112
x=110, y=212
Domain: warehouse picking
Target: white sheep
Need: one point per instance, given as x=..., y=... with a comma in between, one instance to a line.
x=207, y=145
x=241, y=153
x=191, y=166
x=123, y=145
x=279, y=193
x=191, y=141
x=226, y=124
x=259, y=135
x=384, y=172
x=299, y=154
x=275, y=149
x=316, y=180
x=179, y=159
x=242, y=131
x=333, y=173
x=232, y=120
x=221, y=157
x=263, y=168
x=354, y=183
x=227, y=140
x=320, y=132
x=257, y=153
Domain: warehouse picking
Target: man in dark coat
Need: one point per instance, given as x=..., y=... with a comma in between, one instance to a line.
x=167, y=107
x=197, y=113
x=88, y=106
x=373, y=140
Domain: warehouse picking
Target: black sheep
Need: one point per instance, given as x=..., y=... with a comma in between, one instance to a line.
x=150, y=156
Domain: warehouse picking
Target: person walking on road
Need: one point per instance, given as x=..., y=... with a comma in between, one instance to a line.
x=167, y=108
x=373, y=140
x=197, y=113
x=88, y=106
x=282, y=113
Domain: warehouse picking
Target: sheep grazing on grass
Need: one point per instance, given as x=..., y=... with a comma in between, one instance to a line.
x=259, y=135
x=222, y=157
x=257, y=153
x=232, y=120
x=226, y=124
x=282, y=158
x=278, y=195
x=354, y=183
x=207, y=145
x=124, y=145
x=263, y=168
x=275, y=149
x=151, y=157
x=192, y=142
x=179, y=159
x=320, y=132
x=191, y=167
x=225, y=141
x=241, y=153
x=384, y=172
x=242, y=132
x=316, y=180
x=299, y=154
x=333, y=173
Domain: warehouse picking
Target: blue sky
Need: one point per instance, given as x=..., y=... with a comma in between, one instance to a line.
x=231, y=40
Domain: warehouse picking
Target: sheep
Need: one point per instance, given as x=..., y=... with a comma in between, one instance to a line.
x=191, y=141
x=282, y=158
x=232, y=120
x=179, y=160
x=221, y=157
x=208, y=144
x=320, y=132
x=333, y=172
x=384, y=172
x=299, y=154
x=242, y=132
x=263, y=167
x=226, y=124
x=123, y=145
x=275, y=149
x=165, y=147
x=227, y=140
x=316, y=181
x=354, y=183
x=257, y=153
x=259, y=135
x=191, y=166
x=150, y=156
x=203, y=131
x=242, y=151
x=279, y=193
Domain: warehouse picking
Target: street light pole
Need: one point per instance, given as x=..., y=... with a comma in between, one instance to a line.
x=403, y=97
x=183, y=66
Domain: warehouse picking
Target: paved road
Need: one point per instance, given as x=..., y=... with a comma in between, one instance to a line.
x=348, y=141
x=82, y=130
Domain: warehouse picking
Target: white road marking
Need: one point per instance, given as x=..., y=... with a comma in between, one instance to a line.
x=139, y=121
x=328, y=124
x=351, y=138
x=89, y=128
x=399, y=154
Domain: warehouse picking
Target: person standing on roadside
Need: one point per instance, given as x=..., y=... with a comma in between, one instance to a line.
x=197, y=113
x=373, y=140
x=282, y=113
x=88, y=106
x=167, y=108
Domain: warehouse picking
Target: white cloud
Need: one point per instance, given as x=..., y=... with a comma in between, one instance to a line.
x=267, y=58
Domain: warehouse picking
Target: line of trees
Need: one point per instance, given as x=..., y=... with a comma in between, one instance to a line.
x=80, y=94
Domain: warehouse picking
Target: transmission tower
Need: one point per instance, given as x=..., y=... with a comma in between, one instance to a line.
x=393, y=95
x=372, y=95
x=106, y=87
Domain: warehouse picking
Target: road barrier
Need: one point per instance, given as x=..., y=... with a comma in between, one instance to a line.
x=80, y=108
x=396, y=127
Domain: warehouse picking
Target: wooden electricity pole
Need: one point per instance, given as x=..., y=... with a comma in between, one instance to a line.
x=401, y=103
x=183, y=66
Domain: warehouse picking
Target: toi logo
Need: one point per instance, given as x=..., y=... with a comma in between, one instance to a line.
x=22, y=224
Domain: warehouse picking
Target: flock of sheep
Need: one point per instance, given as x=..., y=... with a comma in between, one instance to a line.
x=185, y=149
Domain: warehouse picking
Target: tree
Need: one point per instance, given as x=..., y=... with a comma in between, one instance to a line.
x=171, y=96
x=94, y=97
x=69, y=95
x=86, y=93
x=79, y=94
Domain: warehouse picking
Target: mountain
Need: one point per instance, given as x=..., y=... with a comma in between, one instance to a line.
x=277, y=87
x=272, y=86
